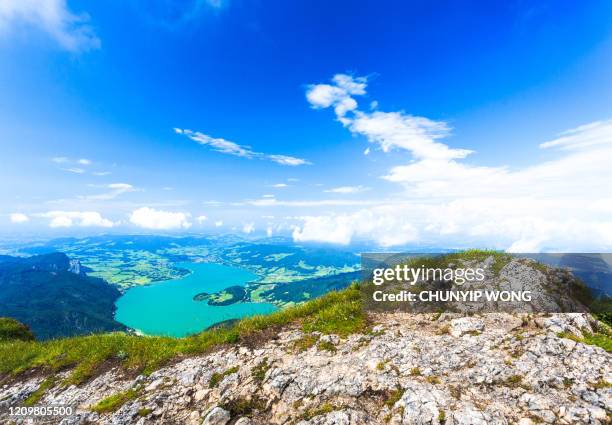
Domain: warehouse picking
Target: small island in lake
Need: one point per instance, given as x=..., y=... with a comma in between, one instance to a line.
x=230, y=295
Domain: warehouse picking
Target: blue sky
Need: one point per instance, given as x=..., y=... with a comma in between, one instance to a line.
x=124, y=116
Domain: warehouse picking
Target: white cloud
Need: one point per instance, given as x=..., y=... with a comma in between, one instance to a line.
x=390, y=230
x=213, y=203
x=76, y=166
x=76, y=218
x=287, y=160
x=269, y=232
x=201, y=219
x=248, y=228
x=74, y=170
x=348, y=189
x=554, y=204
x=18, y=218
x=53, y=17
x=115, y=189
x=280, y=185
x=218, y=223
x=232, y=148
x=390, y=130
x=338, y=94
x=150, y=218
x=218, y=144
x=596, y=133
x=272, y=202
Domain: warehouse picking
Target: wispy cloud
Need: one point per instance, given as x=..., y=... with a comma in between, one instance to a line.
x=115, y=189
x=232, y=148
x=71, y=31
x=78, y=166
x=272, y=202
x=348, y=189
x=74, y=170
x=596, y=133
x=286, y=160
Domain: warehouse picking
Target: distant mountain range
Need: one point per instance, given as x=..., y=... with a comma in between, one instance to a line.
x=54, y=296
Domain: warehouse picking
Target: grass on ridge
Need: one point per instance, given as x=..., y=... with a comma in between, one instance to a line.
x=115, y=401
x=336, y=312
x=11, y=329
x=598, y=339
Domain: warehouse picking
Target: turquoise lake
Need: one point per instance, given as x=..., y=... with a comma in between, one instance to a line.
x=168, y=308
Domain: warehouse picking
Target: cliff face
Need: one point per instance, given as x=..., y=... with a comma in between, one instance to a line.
x=412, y=369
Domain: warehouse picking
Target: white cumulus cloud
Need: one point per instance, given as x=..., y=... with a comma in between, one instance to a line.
x=18, y=218
x=150, y=218
x=76, y=218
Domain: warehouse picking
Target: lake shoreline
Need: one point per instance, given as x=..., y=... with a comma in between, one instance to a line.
x=167, y=308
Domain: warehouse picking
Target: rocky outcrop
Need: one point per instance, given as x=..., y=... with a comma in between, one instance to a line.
x=411, y=369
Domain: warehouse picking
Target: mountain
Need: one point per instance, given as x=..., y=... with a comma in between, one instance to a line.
x=328, y=362
x=54, y=296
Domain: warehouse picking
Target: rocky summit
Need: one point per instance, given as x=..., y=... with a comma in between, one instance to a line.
x=409, y=369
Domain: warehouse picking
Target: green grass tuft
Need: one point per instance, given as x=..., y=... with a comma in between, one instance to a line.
x=218, y=377
x=144, y=412
x=259, y=372
x=115, y=401
x=243, y=406
x=601, y=384
x=433, y=380
x=415, y=371
x=40, y=392
x=393, y=397
x=598, y=339
x=304, y=343
x=327, y=346
x=323, y=409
